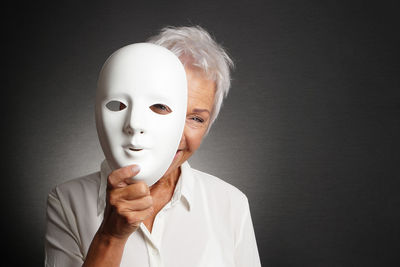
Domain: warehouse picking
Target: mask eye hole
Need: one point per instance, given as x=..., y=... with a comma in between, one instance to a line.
x=161, y=109
x=115, y=105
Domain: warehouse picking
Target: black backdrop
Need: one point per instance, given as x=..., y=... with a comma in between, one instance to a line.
x=309, y=132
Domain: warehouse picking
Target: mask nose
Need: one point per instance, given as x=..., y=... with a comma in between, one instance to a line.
x=133, y=131
x=134, y=124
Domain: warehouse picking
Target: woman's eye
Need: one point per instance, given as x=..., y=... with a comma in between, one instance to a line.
x=115, y=105
x=197, y=119
x=160, y=109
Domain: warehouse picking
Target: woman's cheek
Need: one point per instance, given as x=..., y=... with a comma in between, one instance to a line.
x=197, y=139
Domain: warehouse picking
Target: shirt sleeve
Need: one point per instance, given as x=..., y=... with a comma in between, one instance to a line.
x=246, y=252
x=61, y=243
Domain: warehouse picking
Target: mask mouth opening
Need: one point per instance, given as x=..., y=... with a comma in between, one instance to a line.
x=135, y=149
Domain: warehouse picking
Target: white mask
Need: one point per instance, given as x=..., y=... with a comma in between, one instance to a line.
x=140, y=109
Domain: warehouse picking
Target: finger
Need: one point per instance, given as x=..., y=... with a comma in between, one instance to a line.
x=117, y=177
x=132, y=180
x=131, y=192
x=135, y=205
x=139, y=216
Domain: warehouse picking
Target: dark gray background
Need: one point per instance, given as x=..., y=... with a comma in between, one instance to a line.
x=309, y=132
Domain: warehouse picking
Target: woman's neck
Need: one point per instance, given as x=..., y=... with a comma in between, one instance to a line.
x=168, y=181
x=162, y=192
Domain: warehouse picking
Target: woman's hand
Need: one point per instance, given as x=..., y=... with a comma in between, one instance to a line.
x=128, y=203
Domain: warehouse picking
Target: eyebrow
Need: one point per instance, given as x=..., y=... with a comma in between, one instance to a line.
x=200, y=110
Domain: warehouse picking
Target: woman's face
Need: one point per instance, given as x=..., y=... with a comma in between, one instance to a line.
x=201, y=93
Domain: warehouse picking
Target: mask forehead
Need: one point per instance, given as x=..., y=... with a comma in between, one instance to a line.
x=142, y=70
x=141, y=76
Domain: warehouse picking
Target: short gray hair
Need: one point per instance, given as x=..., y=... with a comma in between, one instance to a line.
x=195, y=46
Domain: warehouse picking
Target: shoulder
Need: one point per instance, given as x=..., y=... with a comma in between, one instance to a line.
x=215, y=183
x=220, y=190
x=72, y=215
x=75, y=189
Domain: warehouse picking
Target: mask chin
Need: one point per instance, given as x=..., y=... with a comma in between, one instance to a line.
x=141, y=103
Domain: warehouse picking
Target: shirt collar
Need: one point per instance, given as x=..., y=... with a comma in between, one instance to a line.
x=105, y=170
x=184, y=187
x=186, y=181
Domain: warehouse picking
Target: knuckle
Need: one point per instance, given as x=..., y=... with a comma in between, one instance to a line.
x=143, y=188
x=110, y=181
x=120, y=210
x=117, y=176
x=111, y=200
x=132, y=219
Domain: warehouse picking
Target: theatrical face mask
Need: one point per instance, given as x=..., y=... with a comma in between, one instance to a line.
x=140, y=109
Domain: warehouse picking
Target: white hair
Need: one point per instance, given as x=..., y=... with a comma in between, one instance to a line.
x=195, y=46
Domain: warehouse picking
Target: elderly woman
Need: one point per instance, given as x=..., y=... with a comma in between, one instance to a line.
x=187, y=218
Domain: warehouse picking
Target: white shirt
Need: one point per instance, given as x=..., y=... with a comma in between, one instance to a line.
x=206, y=223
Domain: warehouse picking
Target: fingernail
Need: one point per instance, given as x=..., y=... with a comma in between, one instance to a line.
x=136, y=168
